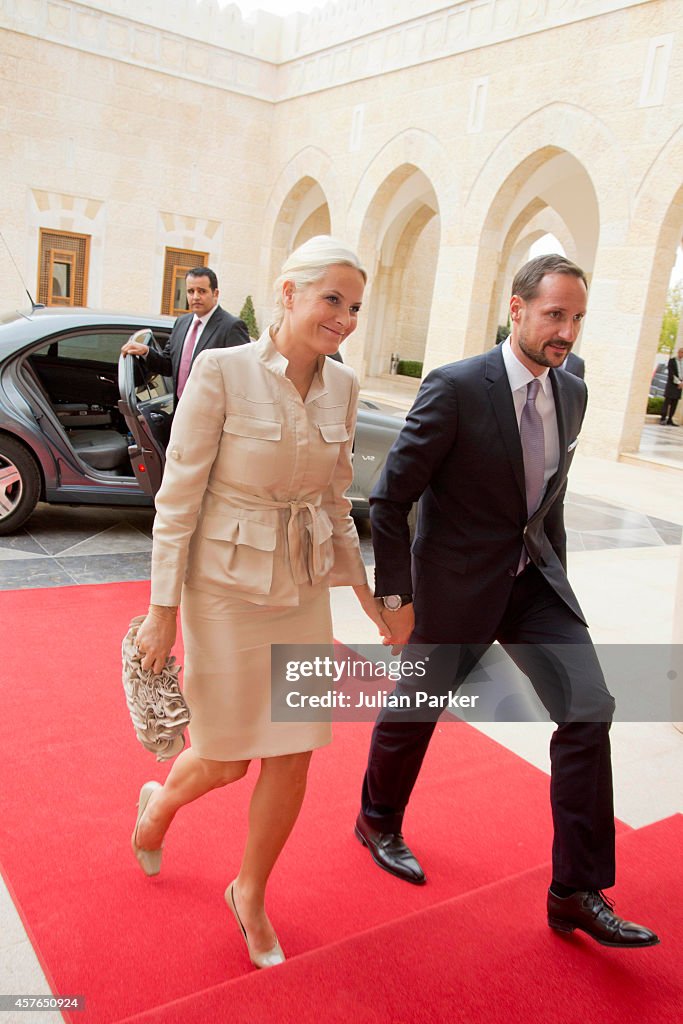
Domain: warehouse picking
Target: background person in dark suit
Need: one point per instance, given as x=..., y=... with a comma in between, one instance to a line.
x=672, y=391
x=489, y=563
x=575, y=364
x=207, y=325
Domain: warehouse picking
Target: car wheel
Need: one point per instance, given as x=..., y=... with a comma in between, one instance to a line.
x=19, y=485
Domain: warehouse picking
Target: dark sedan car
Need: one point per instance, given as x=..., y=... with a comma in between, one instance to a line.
x=80, y=425
x=658, y=382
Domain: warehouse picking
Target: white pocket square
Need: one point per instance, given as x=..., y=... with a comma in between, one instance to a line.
x=573, y=445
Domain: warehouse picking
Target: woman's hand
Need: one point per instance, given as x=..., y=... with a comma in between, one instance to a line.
x=373, y=608
x=401, y=625
x=156, y=636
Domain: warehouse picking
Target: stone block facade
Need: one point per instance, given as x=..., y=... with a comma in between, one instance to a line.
x=440, y=140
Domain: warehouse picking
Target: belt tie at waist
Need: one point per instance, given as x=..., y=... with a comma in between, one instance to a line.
x=304, y=565
x=294, y=531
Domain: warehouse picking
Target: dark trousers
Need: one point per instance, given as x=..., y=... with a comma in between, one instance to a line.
x=536, y=626
x=668, y=409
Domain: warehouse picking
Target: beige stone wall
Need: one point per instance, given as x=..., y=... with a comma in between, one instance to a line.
x=138, y=159
x=436, y=138
x=421, y=114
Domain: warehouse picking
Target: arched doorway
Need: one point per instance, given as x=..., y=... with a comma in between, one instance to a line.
x=402, y=231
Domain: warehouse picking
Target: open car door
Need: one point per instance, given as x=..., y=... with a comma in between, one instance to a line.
x=146, y=403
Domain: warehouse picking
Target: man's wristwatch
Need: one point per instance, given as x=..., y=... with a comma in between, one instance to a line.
x=395, y=601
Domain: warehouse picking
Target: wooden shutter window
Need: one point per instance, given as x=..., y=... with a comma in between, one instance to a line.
x=63, y=268
x=176, y=265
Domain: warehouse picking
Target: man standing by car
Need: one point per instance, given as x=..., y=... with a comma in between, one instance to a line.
x=486, y=448
x=672, y=392
x=207, y=325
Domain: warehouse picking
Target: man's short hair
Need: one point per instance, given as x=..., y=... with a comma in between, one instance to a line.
x=529, y=277
x=204, y=272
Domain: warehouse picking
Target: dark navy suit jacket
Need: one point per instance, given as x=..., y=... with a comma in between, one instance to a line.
x=460, y=454
x=223, y=330
x=575, y=364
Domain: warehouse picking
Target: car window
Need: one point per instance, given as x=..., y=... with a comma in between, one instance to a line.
x=102, y=347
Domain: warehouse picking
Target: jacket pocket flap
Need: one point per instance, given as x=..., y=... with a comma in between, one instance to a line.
x=333, y=432
x=246, y=426
x=240, y=531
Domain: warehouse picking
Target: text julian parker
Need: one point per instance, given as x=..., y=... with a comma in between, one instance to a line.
x=379, y=699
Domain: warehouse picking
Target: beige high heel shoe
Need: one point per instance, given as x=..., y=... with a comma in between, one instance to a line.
x=273, y=957
x=149, y=860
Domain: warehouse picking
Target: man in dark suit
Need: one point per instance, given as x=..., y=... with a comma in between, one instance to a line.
x=575, y=364
x=207, y=325
x=672, y=390
x=486, y=448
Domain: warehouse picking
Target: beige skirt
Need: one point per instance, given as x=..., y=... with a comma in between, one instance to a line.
x=226, y=676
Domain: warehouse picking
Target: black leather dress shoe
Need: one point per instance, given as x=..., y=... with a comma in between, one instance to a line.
x=390, y=852
x=592, y=912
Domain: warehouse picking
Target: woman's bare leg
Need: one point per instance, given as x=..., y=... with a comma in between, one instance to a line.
x=274, y=808
x=190, y=777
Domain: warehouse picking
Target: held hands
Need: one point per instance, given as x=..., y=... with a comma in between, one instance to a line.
x=373, y=608
x=156, y=636
x=134, y=348
x=401, y=625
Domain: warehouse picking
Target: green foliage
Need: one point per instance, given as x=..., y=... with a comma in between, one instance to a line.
x=248, y=314
x=655, y=404
x=672, y=315
x=409, y=367
x=502, y=333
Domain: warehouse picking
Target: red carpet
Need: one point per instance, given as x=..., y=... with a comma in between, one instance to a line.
x=71, y=769
x=486, y=957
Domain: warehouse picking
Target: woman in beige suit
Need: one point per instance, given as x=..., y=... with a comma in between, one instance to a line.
x=252, y=529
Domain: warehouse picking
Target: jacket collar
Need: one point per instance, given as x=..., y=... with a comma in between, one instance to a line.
x=273, y=359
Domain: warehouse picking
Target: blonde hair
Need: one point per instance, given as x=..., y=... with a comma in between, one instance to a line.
x=308, y=264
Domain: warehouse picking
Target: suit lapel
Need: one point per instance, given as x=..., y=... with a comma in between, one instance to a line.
x=207, y=334
x=183, y=326
x=503, y=407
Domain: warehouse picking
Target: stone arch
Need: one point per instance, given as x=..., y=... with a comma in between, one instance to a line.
x=579, y=151
x=410, y=148
x=564, y=128
x=399, y=245
x=534, y=221
x=394, y=217
x=306, y=199
x=655, y=232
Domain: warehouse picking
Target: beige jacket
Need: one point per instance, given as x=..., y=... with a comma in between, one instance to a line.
x=252, y=497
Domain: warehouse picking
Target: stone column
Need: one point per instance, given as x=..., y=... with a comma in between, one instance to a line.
x=619, y=342
x=460, y=304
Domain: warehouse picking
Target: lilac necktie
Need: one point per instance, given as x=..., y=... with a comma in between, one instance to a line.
x=533, y=449
x=186, y=358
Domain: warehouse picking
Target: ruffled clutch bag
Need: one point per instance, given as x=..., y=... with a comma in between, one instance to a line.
x=156, y=704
